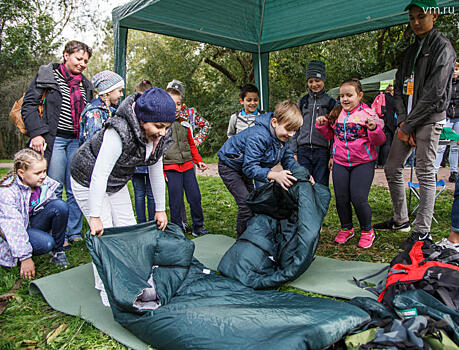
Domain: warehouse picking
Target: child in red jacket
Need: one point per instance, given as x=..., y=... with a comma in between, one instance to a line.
x=178, y=167
x=356, y=133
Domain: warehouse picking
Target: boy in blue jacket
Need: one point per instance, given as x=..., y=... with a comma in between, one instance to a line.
x=252, y=153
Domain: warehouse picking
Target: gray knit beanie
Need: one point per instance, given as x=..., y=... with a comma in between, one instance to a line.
x=107, y=81
x=177, y=85
x=316, y=69
x=155, y=105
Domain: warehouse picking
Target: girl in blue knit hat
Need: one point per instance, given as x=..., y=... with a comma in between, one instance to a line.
x=109, y=86
x=137, y=135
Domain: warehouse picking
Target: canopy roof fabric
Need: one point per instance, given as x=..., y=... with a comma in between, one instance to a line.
x=370, y=84
x=257, y=26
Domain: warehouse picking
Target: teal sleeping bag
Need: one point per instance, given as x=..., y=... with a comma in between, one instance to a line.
x=190, y=307
x=279, y=243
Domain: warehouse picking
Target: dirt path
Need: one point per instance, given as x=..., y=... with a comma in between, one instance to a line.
x=379, y=179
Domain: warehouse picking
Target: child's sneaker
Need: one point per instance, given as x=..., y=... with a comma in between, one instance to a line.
x=344, y=235
x=366, y=239
x=60, y=259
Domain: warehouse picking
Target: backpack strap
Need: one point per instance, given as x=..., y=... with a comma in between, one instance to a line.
x=378, y=288
x=446, y=297
x=331, y=104
x=303, y=102
x=244, y=120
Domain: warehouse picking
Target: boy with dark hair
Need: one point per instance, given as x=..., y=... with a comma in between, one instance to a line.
x=245, y=118
x=311, y=148
x=421, y=95
x=250, y=155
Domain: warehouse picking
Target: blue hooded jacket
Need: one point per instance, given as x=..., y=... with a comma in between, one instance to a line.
x=256, y=150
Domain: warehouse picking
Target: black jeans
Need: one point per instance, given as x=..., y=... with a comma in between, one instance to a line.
x=315, y=159
x=176, y=183
x=239, y=186
x=352, y=185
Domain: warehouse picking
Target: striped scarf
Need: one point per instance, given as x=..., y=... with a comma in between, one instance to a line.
x=77, y=102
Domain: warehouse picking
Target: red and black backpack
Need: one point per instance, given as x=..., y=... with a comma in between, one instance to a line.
x=425, y=266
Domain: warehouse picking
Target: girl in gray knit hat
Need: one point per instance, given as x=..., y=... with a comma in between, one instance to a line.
x=109, y=86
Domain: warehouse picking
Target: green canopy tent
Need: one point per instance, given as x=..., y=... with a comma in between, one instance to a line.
x=256, y=26
x=371, y=84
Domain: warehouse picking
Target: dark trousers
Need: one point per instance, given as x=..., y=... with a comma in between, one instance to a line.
x=455, y=210
x=352, y=185
x=239, y=186
x=383, y=150
x=176, y=183
x=315, y=159
x=142, y=188
x=52, y=218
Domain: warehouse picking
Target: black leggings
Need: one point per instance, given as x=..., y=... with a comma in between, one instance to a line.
x=352, y=184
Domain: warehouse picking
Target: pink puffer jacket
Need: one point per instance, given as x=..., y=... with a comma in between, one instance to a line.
x=354, y=143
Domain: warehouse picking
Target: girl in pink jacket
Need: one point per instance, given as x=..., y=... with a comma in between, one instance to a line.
x=356, y=132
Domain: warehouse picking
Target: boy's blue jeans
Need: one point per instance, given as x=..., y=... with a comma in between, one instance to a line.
x=455, y=210
x=53, y=217
x=59, y=170
x=315, y=159
x=142, y=188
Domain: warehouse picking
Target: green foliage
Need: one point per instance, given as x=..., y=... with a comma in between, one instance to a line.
x=30, y=35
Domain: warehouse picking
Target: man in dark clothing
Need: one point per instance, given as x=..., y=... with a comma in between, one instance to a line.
x=422, y=94
x=312, y=150
x=390, y=125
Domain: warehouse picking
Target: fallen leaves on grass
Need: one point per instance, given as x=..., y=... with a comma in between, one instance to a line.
x=55, y=333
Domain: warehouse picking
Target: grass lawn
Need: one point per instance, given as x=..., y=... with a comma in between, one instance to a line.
x=29, y=320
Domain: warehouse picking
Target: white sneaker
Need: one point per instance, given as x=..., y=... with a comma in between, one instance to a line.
x=445, y=243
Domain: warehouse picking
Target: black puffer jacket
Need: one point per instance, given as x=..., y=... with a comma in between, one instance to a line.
x=134, y=149
x=432, y=83
x=46, y=125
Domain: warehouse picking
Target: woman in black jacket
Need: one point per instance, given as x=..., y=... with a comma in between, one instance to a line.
x=55, y=134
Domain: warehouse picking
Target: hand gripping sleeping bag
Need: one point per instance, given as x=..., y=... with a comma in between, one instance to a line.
x=279, y=243
x=164, y=296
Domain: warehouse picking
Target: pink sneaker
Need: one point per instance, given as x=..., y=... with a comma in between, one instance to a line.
x=344, y=235
x=366, y=239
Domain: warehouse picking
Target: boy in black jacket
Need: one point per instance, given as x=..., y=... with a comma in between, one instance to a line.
x=311, y=149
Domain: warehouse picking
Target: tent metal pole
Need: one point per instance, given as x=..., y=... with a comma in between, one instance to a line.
x=260, y=79
x=260, y=73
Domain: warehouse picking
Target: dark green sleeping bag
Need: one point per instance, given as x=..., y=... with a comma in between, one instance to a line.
x=279, y=243
x=200, y=309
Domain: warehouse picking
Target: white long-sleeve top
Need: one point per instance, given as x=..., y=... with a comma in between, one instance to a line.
x=109, y=153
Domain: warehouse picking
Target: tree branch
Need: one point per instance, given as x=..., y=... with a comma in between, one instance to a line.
x=221, y=69
x=1, y=33
x=380, y=49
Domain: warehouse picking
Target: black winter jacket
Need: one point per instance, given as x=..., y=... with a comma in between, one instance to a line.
x=46, y=125
x=432, y=82
x=312, y=105
x=134, y=149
